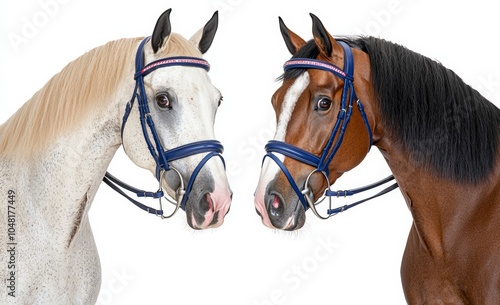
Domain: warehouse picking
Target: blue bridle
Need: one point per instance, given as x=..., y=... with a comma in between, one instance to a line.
x=163, y=157
x=322, y=162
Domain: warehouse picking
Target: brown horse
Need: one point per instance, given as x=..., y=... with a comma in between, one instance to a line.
x=441, y=140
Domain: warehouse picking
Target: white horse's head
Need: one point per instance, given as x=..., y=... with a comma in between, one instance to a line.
x=182, y=103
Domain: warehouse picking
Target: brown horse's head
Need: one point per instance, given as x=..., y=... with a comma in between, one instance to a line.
x=308, y=105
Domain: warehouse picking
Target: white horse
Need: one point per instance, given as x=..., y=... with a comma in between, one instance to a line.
x=54, y=152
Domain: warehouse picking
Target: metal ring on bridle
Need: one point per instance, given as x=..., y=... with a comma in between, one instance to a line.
x=308, y=194
x=179, y=193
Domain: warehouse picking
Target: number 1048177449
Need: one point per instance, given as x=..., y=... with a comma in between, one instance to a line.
x=11, y=216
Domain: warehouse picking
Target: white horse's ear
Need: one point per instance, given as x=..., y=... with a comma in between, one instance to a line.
x=204, y=37
x=162, y=31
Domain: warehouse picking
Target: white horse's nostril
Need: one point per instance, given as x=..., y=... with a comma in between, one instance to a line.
x=206, y=203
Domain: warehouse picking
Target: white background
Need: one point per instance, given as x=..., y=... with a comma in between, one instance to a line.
x=353, y=258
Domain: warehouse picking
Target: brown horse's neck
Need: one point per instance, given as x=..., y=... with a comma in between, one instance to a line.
x=443, y=211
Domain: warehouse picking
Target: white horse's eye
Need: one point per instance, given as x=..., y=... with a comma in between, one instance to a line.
x=163, y=101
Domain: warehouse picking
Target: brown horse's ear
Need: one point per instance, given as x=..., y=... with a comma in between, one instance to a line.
x=328, y=46
x=162, y=31
x=293, y=41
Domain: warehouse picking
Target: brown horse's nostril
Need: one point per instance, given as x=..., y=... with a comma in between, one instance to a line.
x=276, y=206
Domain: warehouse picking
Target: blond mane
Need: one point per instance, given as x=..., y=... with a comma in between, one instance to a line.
x=84, y=85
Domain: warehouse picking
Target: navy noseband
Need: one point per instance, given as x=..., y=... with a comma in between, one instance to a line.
x=322, y=162
x=161, y=156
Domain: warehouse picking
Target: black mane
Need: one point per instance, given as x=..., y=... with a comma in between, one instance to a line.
x=445, y=125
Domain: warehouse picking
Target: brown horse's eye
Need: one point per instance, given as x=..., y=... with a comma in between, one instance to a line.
x=163, y=101
x=323, y=104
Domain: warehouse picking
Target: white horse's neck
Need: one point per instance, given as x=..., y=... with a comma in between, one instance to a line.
x=52, y=232
x=73, y=166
